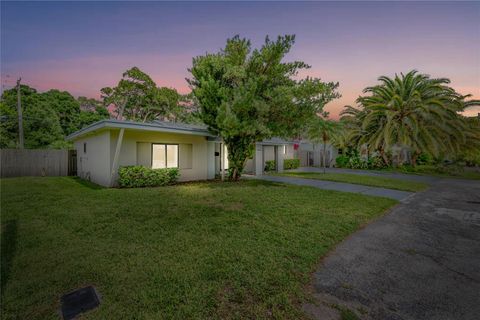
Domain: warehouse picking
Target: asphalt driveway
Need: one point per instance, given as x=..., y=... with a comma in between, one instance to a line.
x=420, y=261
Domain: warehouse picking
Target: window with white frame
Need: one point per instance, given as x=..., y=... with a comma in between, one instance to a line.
x=164, y=155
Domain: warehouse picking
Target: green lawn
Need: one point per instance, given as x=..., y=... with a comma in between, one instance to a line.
x=195, y=251
x=431, y=170
x=372, y=181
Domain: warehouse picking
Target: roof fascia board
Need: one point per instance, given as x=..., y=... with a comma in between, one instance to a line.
x=114, y=124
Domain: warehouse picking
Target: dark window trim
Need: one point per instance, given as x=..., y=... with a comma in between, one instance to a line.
x=84, y=147
x=165, y=144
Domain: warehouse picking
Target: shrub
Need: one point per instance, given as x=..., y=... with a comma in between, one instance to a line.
x=356, y=162
x=424, y=158
x=291, y=164
x=376, y=163
x=342, y=161
x=140, y=176
x=270, y=165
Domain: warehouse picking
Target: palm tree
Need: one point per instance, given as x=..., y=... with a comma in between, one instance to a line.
x=470, y=150
x=352, y=126
x=410, y=110
x=321, y=129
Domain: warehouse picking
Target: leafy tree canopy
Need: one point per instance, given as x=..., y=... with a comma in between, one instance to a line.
x=136, y=97
x=411, y=110
x=246, y=95
x=48, y=117
x=65, y=106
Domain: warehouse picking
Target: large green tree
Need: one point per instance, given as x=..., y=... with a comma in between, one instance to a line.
x=246, y=95
x=41, y=123
x=91, y=110
x=410, y=110
x=65, y=106
x=48, y=117
x=137, y=97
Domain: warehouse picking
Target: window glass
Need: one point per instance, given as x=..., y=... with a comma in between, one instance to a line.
x=164, y=156
x=172, y=156
x=158, y=156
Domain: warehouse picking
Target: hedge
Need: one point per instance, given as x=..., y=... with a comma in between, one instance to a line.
x=356, y=162
x=287, y=164
x=270, y=165
x=291, y=164
x=140, y=176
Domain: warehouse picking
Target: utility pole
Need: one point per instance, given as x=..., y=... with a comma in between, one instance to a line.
x=20, y=118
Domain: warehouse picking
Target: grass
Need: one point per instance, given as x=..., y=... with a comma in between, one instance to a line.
x=439, y=171
x=346, y=314
x=372, y=181
x=204, y=250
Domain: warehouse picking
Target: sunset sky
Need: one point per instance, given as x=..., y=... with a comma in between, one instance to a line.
x=84, y=46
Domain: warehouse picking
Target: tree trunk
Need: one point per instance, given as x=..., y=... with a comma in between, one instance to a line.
x=324, y=155
x=384, y=156
x=413, y=160
x=238, y=153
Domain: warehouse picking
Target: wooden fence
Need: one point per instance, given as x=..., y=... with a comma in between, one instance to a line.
x=37, y=162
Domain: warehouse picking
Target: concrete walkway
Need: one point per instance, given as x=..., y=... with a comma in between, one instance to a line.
x=340, y=186
x=420, y=261
x=373, y=173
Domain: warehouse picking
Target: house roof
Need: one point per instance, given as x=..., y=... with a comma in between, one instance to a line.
x=155, y=126
x=160, y=126
x=275, y=141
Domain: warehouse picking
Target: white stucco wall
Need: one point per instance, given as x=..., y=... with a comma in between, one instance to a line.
x=211, y=159
x=289, y=152
x=268, y=153
x=94, y=164
x=136, y=150
x=316, y=150
x=249, y=166
x=258, y=160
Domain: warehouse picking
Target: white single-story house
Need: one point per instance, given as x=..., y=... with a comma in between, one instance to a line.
x=106, y=145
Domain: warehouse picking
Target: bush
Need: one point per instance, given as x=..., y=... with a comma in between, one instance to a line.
x=291, y=164
x=424, y=158
x=376, y=163
x=470, y=157
x=140, y=176
x=270, y=165
x=356, y=162
x=342, y=161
